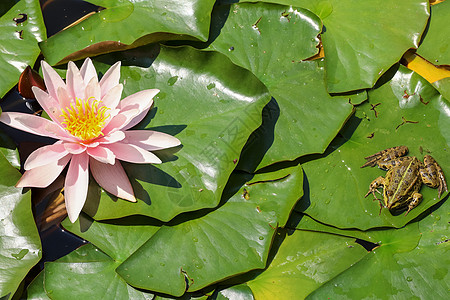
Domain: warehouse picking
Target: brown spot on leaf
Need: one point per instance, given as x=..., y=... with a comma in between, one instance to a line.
x=374, y=109
x=404, y=121
x=21, y=19
x=421, y=100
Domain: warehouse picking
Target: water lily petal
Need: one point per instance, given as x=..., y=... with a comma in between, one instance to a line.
x=150, y=140
x=48, y=103
x=112, y=97
x=64, y=98
x=110, y=79
x=114, y=137
x=52, y=80
x=43, y=176
x=138, y=118
x=120, y=120
x=102, y=154
x=140, y=100
x=34, y=124
x=45, y=155
x=74, y=148
x=88, y=71
x=74, y=81
x=92, y=90
x=113, y=179
x=133, y=154
x=76, y=185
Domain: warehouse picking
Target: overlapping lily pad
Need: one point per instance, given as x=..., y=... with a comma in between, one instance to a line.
x=20, y=247
x=435, y=46
x=216, y=244
x=272, y=41
x=405, y=111
x=305, y=261
x=125, y=24
x=90, y=274
x=232, y=239
x=21, y=28
x=362, y=41
x=212, y=106
x=398, y=268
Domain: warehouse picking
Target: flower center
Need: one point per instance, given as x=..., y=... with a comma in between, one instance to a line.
x=84, y=119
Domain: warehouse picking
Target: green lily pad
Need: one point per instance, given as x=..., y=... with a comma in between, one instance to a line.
x=118, y=241
x=241, y=292
x=305, y=261
x=8, y=150
x=36, y=288
x=272, y=41
x=362, y=41
x=125, y=24
x=213, y=125
x=443, y=86
x=232, y=239
x=20, y=247
x=19, y=40
x=90, y=275
x=435, y=46
x=406, y=111
x=395, y=271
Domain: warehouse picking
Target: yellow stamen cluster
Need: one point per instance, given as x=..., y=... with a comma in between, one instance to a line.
x=85, y=119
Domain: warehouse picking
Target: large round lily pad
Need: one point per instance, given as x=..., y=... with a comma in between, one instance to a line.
x=416, y=257
x=272, y=41
x=362, y=41
x=406, y=111
x=217, y=244
x=233, y=239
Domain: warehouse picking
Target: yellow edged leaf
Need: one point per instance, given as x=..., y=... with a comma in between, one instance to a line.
x=424, y=68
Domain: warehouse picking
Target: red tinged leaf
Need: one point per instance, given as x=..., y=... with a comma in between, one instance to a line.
x=29, y=78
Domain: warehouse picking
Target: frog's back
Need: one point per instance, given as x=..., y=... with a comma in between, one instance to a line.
x=402, y=181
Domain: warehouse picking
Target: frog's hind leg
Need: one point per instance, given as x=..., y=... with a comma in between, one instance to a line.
x=432, y=174
x=373, y=187
x=385, y=155
x=416, y=198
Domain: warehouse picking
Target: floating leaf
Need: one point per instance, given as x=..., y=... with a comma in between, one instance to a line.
x=21, y=28
x=435, y=46
x=232, y=239
x=424, y=68
x=125, y=24
x=443, y=86
x=398, y=269
x=406, y=111
x=90, y=274
x=272, y=41
x=212, y=124
x=20, y=247
x=305, y=261
x=362, y=41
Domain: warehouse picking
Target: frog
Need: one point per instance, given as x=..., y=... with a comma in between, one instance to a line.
x=404, y=178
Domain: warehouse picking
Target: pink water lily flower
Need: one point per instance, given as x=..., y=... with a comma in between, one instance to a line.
x=91, y=125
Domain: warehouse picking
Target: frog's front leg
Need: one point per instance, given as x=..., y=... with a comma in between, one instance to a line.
x=432, y=175
x=416, y=198
x=385, y=156
x=373, y=187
